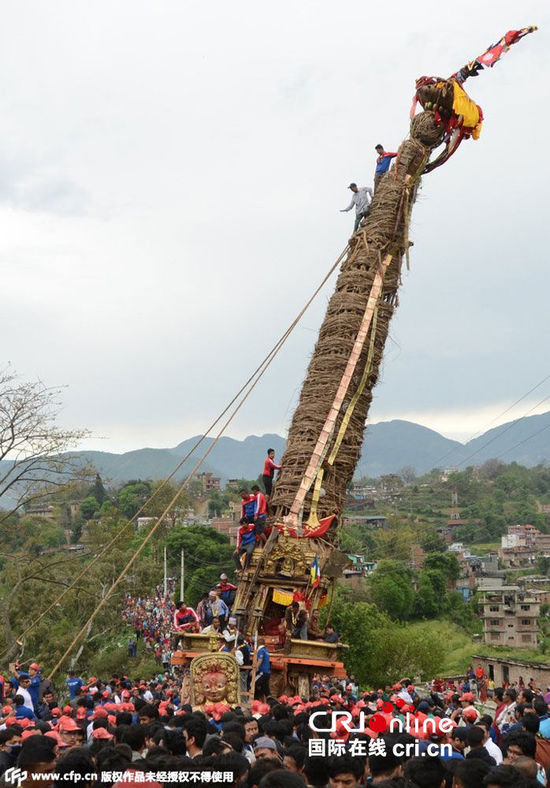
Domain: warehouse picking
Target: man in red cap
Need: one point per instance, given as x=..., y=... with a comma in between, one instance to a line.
x=68, y=731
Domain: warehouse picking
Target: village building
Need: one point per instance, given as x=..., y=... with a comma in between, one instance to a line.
x=510, y=616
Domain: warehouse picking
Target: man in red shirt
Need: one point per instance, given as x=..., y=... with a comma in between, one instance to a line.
x=382, y=164
x=260, y=513
x=246, y=542
x=185, y=618
x=269, y=471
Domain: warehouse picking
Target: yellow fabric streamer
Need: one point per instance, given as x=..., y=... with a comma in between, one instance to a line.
x=463, y=105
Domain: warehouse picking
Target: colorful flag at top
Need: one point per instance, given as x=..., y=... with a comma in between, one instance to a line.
x=315, y=573
x=492, y=54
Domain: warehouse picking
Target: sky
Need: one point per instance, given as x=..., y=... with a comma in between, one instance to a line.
x=171, y=179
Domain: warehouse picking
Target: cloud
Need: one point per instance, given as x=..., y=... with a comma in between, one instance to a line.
x=30, y=185
x=202, y=153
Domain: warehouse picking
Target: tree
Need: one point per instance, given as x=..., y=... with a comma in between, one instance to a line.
x=132, y=497
x=381, y=650
x=408, y=474
x=34, y=462
x=395, y=541
x=98, y=490
x=447, y=563
x=88, y=507
x=162, y=494
x=432, y=542
x=391, y=589
x=207, y=554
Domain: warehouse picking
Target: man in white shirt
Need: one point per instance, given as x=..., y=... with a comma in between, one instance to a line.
x=23, y=690
x=361, y=200
x=492, y=748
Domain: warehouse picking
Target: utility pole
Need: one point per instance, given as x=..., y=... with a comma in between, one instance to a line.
x=165, y=576
x=182, y=574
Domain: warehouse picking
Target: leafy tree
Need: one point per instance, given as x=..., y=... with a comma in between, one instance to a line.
x=432, y=542
x=163, y=493
x=97, y=490
x=447, y=563
x=132, y=496
x=218, y=503
x=391, y=589
x=395, y=541
x=379, y=650
x=207, y=554
x=425, y=602
x=88, y=507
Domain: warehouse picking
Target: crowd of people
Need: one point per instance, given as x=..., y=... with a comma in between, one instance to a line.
x=151, y=620
x=124, y=731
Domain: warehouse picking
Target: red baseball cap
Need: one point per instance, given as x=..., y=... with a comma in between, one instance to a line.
x=55, y=735
x=101, y=733
x=99, y=711
x=34, y=666
x=30, y=732
x=67, y=724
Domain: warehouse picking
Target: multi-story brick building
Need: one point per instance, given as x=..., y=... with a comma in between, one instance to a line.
x=510, y=616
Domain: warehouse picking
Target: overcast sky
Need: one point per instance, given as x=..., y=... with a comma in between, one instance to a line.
x=171, y=174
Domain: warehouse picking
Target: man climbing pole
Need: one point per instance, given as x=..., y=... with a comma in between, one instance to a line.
x=246, y=542
x=248, y=505
x=269, y=472
x=361, y=200
x=260, y=513
x=382, y=164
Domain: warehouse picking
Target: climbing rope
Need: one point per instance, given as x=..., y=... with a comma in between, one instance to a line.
x=250, y=385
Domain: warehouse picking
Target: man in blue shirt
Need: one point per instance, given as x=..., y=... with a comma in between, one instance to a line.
x=382, y=164
x=23, y=712
x=73, y=684
x=263, y=667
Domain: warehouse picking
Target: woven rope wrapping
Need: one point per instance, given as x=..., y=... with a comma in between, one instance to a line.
x=384, y=231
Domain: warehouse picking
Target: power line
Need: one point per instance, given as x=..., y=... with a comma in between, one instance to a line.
x=520, y=443
x=496, y=418
x=263, y=368
x=255, y=376
x=500, y=434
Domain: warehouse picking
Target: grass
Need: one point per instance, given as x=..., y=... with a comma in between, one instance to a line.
x=459, y=647
x=483, y=548
x=529, y=655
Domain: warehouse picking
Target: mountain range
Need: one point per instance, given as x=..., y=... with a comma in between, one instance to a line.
x=388, y=447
